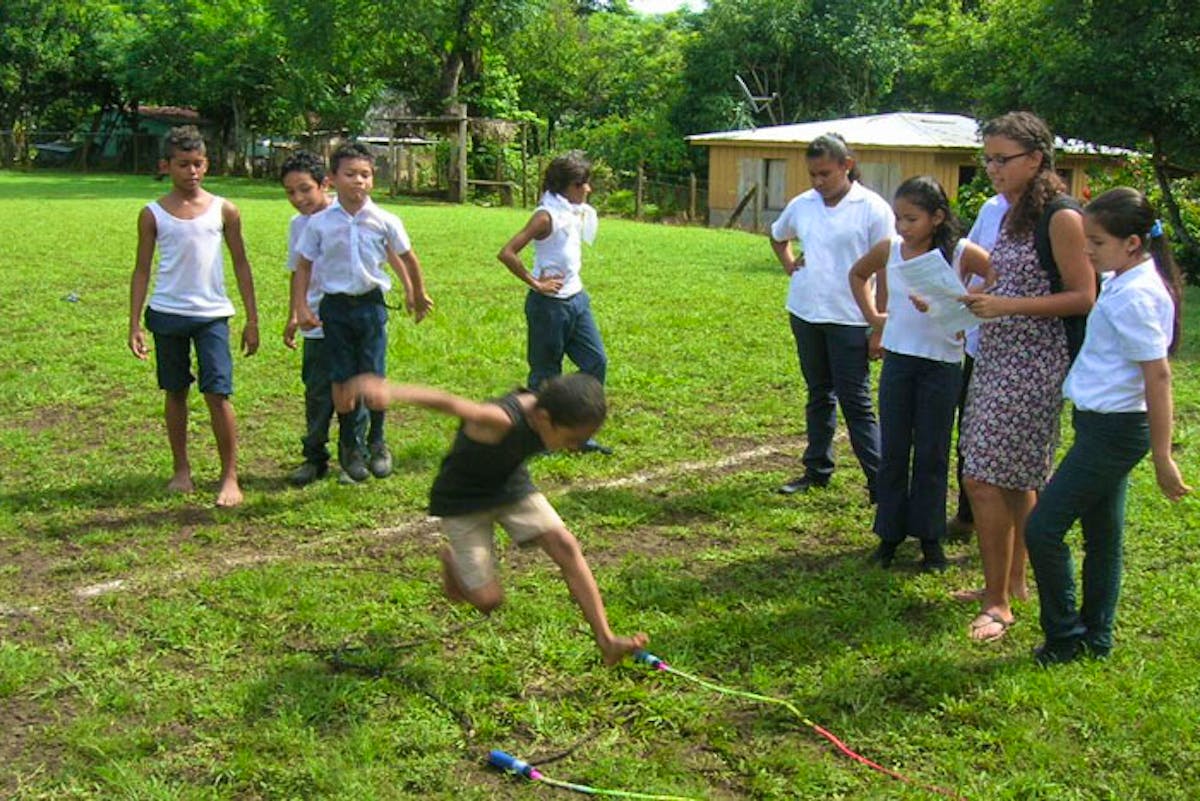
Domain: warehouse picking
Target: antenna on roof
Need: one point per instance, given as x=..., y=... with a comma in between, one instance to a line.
x=759, y=103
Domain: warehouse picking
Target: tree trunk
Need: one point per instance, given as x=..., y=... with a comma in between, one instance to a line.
x=1189, y=250
x=452, y=67
x=1159, y=160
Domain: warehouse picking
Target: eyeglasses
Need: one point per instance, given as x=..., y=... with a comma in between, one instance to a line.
x=1000, y=161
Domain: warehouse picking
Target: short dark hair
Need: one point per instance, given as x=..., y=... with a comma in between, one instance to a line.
x=305, y=162
x=350, y=151
x=573, y=400
x=572, y=167
x=832, y=145
x=182, y=138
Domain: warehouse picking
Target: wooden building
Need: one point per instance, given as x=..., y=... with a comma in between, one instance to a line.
x=762, y=169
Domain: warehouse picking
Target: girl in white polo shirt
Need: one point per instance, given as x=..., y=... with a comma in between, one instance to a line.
x=1120, y=385
x=836, y=223
x=922, y=371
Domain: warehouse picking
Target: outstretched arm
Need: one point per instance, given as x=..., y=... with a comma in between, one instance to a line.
x=538, y=227
x=139, y=283
x=379, y=393
x=245, y=280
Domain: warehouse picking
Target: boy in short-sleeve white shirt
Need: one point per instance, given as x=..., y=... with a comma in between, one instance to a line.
x=348, y=252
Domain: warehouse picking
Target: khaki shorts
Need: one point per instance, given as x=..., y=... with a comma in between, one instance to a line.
x=473, y=536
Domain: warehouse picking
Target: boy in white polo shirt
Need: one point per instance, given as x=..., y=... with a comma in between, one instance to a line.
x=189, y=305
x=304, y=179
x=343, y=252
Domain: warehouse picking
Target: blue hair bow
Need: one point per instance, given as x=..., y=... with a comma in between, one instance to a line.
x=1156, y=230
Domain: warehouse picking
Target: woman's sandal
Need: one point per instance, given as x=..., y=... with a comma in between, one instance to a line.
x=987, y=620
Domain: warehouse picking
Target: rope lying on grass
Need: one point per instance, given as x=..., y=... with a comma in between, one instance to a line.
x=653, y=662
x=510, y=764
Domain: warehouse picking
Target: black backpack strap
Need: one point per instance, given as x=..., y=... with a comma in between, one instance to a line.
x=1041, y=238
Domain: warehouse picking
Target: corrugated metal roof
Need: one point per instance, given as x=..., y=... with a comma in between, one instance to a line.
x=900, y=129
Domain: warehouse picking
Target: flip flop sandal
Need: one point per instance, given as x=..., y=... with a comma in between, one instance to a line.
x=986, y=619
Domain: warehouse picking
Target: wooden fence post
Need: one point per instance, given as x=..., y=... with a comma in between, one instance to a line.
x=640, y=190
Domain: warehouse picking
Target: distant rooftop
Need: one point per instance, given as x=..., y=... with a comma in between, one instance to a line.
x=897, y=130
x=171, y=113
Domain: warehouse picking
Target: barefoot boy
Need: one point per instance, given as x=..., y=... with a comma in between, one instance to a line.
x=189, y=304
x=483, y=481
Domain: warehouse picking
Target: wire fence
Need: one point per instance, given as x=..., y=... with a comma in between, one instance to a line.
x=401, y=169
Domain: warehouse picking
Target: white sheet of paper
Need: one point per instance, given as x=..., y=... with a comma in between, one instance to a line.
x=930, y=277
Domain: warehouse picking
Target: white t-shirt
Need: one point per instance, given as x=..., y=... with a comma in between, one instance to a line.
x=833, y=238
x=984, y=233
x=1130, y=323
x=561, y=253
x=191, y=263
x=909, y=331
x=295, y=231
x=349, y=253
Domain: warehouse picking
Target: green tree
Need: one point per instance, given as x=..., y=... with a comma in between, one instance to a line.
x=818, y=59
x=222, y=57
x=1114, y=73
x=604, y=80
x=55, y=61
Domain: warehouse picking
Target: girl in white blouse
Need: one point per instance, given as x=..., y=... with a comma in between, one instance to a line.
x=1120, y=385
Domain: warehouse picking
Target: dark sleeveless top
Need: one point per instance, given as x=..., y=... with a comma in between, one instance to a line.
x=475, y=476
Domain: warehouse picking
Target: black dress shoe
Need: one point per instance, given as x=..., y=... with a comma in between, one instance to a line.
x=884, y=554
x=802, y=484
x=935, y=557
x=1058, y=653
x=591, y=446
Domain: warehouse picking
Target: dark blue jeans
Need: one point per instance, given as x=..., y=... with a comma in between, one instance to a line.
x=1089, y=486
x=833, y=360
x=560, y=327
x=917, y=399
x=318, y=403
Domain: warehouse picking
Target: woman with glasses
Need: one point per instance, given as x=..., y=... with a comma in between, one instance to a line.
x=1015, y=398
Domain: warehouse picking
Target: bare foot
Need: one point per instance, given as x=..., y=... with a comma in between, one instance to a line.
x=1020, y=593
x=181, y=482
x=968, y=596
x=230, y=494
x=620, y=647
x=450, y=583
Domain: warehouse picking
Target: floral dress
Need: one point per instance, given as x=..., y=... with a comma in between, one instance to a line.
x=1010, y=427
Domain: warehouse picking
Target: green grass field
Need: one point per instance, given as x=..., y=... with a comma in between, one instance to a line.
x=153, y=647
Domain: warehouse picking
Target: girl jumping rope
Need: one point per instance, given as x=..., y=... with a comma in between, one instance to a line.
x=922, y=370
x=1120, y=385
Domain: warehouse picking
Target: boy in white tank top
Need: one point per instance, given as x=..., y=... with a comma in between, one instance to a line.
x=189, y=306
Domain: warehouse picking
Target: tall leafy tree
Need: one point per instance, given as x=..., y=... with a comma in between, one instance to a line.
x=818, y=58
x=1116, y=73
